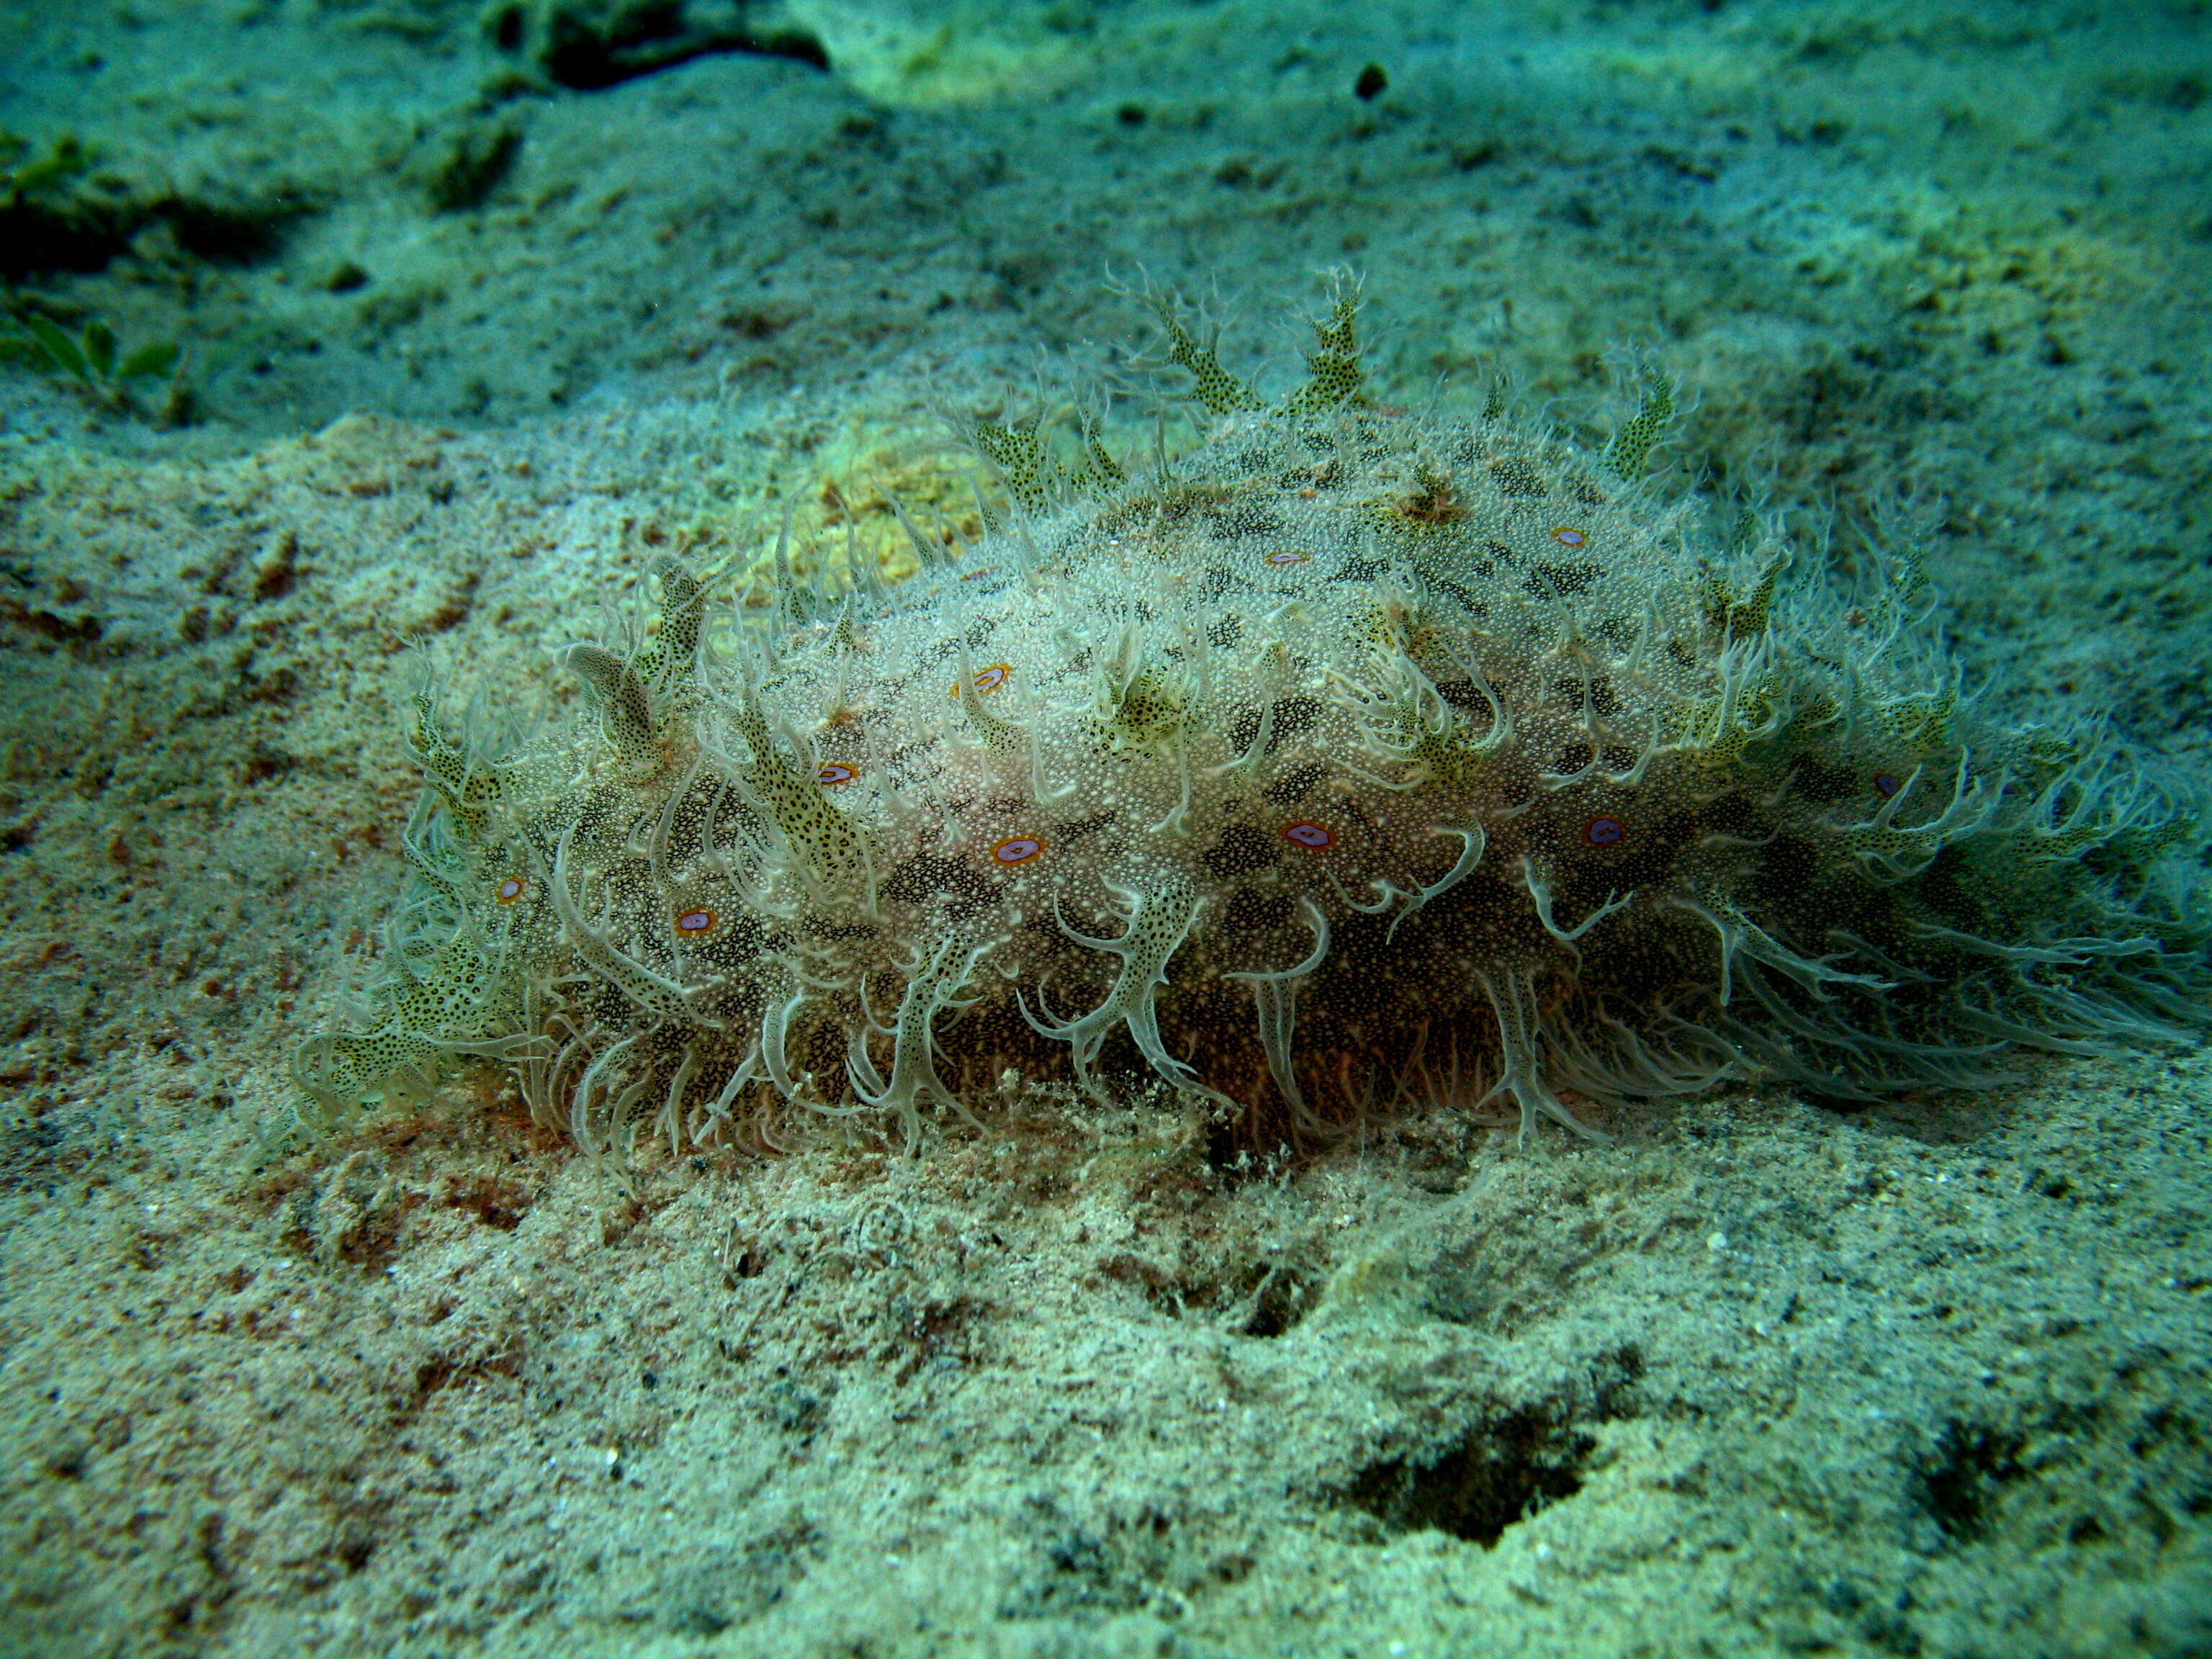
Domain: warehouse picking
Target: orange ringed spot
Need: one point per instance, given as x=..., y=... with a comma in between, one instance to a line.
x=510, y=890
x=1567, y=536
x=986, y=680
x=692, y=923
x=1285, y=556
x=835, y=773
x=1603, y=832
x=1314, y=835
x=1020, y=850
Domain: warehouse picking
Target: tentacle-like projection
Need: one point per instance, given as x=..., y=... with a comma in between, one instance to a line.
x=1540, y=895
x=1275, y=994
x=1157, y=924
x=1471, y=842
x=653, y=991
x=934, y=985
x=1521, y=1070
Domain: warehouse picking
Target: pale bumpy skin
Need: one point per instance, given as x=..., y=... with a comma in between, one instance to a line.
x=1355, y=763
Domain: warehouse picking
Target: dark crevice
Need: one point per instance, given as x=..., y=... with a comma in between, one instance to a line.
x=1502, y=1470
x=1958, y=1483
x=587, y=53
x=38, y=237
x=1509, y=1462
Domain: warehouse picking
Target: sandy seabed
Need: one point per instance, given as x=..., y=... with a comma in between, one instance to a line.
x=468, y=340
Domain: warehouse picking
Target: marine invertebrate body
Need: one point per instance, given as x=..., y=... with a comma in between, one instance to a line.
x=1350, y=762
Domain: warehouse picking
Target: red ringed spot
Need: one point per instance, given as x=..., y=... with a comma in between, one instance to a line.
x=1567, y=536
x=835, y=773
x=692, y=923
x=1603, y=832
x=1285, y=556
x=986, y=680
x=1019, y=850
x=1886, y=784
x=1314, y=835
x=510, y=890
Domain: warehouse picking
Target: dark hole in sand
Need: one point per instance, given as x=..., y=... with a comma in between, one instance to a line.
x=1502, y=1470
